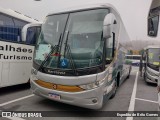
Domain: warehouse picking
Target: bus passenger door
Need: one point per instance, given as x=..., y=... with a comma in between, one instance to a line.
x=110, y=34
x=110, y=53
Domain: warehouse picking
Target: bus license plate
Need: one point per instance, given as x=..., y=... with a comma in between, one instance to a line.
x=54, y=96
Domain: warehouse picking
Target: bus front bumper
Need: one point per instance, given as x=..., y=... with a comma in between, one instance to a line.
x=150, y=78
x=92, y=99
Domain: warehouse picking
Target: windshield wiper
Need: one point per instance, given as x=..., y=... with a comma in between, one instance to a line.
x=68, y=49
x=49, y=54
x=71, y=59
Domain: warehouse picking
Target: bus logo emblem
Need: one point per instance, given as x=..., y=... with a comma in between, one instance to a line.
x=54, y=87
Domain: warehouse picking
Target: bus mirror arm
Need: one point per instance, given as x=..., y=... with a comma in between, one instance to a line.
x=24, y=35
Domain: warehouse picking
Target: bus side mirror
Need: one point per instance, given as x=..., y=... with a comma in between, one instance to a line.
x=109, y=20
x=29, y=30
x=153, y=26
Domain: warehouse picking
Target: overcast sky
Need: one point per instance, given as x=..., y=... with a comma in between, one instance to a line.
x=133, y=12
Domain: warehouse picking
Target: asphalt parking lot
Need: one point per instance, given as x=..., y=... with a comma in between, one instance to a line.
x=133, y=95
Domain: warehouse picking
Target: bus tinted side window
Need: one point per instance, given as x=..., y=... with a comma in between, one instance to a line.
x=7, y=30
x=19, y=23
x=133, y=57
x=136, y=57
x=10, y=28
x=6, y=20
x=129, y=57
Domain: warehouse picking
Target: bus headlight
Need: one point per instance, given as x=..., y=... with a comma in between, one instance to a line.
x=92, y=85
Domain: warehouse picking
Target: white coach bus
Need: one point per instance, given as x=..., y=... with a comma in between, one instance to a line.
x=150, y=57
x=80, y=56
x=154, y=31
x=134, y=59
x=150, y=64
x=16, y=54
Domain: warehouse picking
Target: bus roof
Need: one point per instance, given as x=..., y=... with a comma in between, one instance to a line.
x=17, y=15
x=152, y=47
x=80, y=8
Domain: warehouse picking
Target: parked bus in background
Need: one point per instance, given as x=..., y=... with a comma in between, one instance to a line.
x=154, y=31
x=149, y=67
x=150, y=64
x=80, y=60
x=16, y=54
x=134, y=59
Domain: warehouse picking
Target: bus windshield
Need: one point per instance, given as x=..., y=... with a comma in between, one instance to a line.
x=153, y=56
x=78, y=37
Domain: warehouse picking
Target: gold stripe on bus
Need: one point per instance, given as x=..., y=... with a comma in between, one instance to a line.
x=53, y=86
